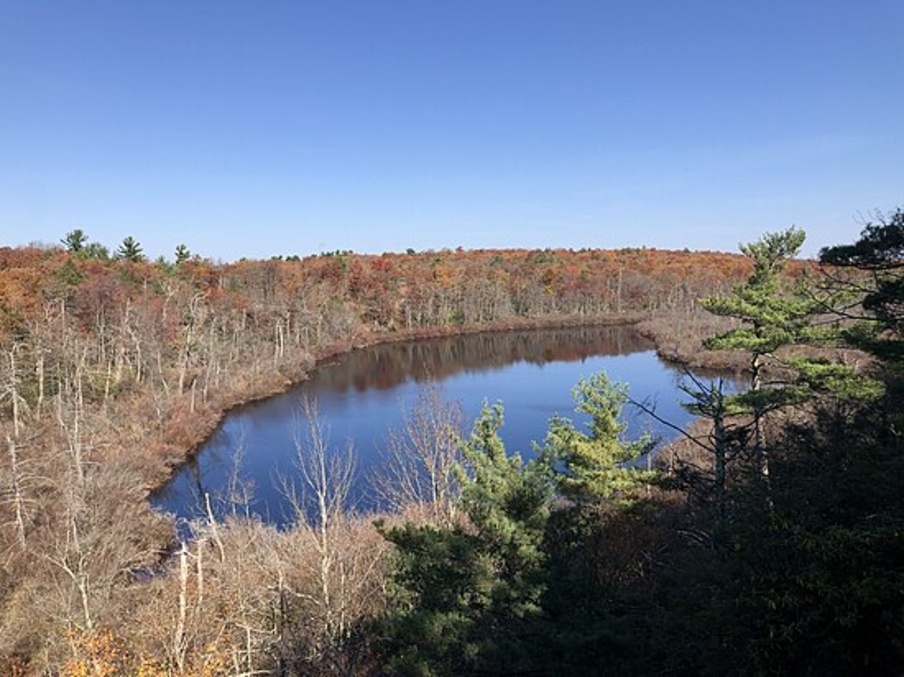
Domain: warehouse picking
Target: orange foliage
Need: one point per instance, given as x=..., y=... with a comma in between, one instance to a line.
x=103, y=654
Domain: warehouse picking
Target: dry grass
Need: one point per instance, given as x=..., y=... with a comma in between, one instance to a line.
x=679, y=338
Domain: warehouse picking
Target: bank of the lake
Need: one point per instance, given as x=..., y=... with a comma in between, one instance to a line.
x=676, y=337
x=205, y=424
x=362, y=395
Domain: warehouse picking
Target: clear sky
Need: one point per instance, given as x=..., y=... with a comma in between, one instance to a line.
x=299, y=126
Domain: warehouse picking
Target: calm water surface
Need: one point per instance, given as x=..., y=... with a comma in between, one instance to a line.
x=361, y=397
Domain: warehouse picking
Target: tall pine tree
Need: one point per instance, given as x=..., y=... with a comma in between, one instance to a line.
x=772, y=312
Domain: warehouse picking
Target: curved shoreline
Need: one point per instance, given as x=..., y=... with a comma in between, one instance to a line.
x=329, y=352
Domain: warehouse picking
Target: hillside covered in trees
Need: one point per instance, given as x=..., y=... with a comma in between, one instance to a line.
x=773, y=543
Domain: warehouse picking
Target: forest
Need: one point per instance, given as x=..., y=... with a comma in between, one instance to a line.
x=769, y=539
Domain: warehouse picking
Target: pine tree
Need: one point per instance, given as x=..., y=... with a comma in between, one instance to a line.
x=130, y=250
x=75, y=241
x=472, y=598
x=775, y=312
x=596, y=466
x=182, y=254
x=772, y=314
x=465, y=593
x=726, y=440
x=879, y=256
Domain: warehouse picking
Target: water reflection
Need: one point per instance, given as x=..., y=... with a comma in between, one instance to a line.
x=386, y=366
x=362, y=396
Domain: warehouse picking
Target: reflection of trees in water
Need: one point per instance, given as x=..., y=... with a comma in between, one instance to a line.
x=386, y=366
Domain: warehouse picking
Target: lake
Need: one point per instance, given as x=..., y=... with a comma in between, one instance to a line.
x=361, y=398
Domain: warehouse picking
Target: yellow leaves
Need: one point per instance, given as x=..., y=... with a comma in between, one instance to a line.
x=96, y=654
x=103, y=654
x=215, y=664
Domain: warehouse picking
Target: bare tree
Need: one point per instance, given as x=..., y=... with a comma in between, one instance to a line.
x=421, y=454
x=338, y=571
x=319, y=500
x=18, y=500
x=11, y=389
x=93, y=548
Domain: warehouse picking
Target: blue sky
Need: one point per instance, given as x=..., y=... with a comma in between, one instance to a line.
x=284, y=127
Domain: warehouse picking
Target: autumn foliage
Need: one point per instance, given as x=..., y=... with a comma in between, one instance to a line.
x=111, y=371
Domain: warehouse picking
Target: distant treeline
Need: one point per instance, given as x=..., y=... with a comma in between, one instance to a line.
x=386, y=292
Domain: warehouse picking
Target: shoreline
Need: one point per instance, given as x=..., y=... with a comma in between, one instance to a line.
x=329, y=352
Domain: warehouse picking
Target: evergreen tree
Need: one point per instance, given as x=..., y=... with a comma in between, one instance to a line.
x=879, y=288
x=810, y=583
x=182, y=254
x=773, y=314
x=596, y=466
x=727, y=439
x=486, y=596
x=97, y=251
x=130, y=250
x=75, y=241
x=466, y=594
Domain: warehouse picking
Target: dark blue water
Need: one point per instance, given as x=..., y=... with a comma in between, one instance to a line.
x=362, y=396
